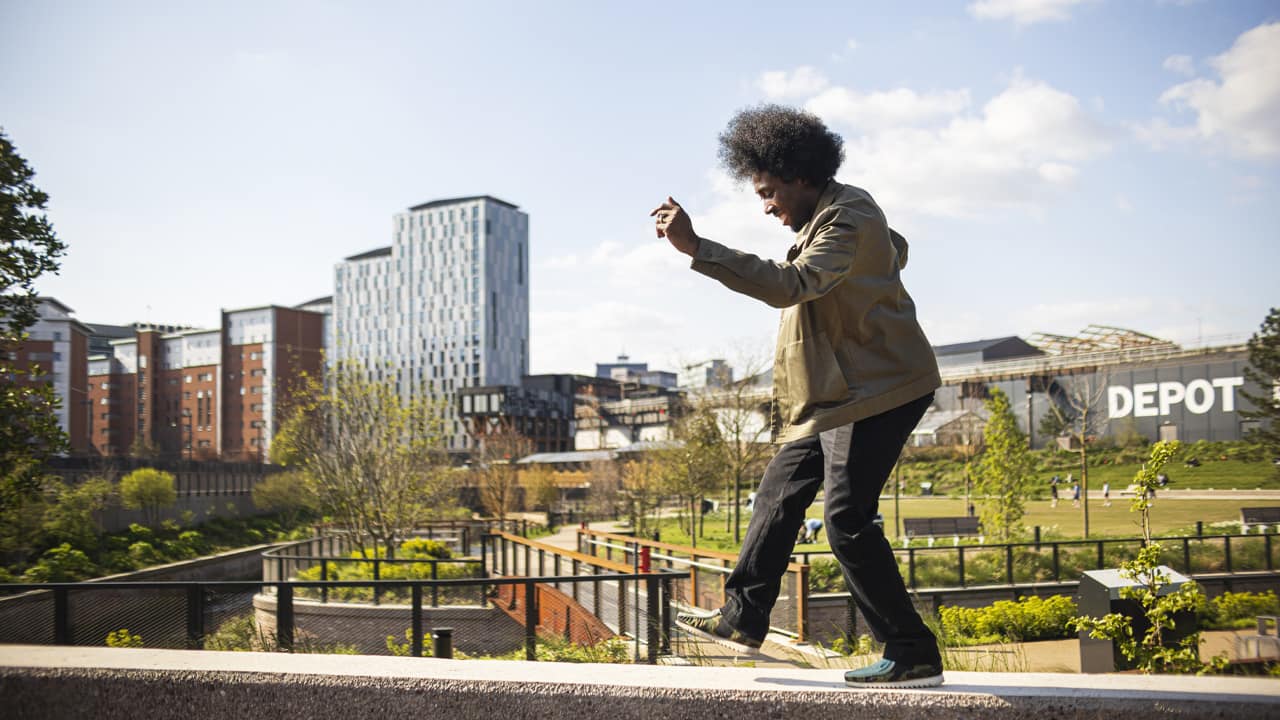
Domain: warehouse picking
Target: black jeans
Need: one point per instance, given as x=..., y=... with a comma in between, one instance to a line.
x=851, y=463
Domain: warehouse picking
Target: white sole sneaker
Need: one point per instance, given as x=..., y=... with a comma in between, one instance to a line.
x=725, y=642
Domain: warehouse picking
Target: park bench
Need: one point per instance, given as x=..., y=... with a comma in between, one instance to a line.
x=1260, y=516
x=941, y=527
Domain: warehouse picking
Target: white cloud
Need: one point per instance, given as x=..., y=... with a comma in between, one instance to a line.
x=1181, y=64
x=1026, y=143
x=801, y=82
x=1240, y=109
x=881, y=110
x=1023, y=12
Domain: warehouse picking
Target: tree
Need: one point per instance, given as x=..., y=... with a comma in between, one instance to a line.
x=1004, y=469
x=642, y=488
x=376, y=461
x=605, y=482
x=692, y=466
x=28, y=249
x=288, y=494
x=744, y=430
x=74, y=514
x=1264, y=371
x=149, y=490
x=1149, y=653
x=1080, y=405
x=500, y=446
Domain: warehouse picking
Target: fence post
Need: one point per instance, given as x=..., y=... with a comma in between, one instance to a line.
x=530, y=620
x=1057, y=567
x=1226, y=547
x=1186, y=556
x=195, y=616
x=666, y=615
x=596, y=585
x=62, y=616
x=435, y=589
x=1101, y=556
x=324, y=575
x=416, y=639
x=1008, y=562
x=1266, y=541
x=911, y=568
x=651, y=619
x=802, y=603
x=484, y=556
x=960, y=563
x=377, y=577
x=284, y=617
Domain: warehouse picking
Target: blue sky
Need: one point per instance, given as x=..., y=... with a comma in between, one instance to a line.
x=1053, y=163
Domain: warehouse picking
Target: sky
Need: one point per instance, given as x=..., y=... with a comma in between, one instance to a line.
x=1053, y=163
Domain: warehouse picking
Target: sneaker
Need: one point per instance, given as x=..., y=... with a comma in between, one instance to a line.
x=890, y=674
x=715, y=628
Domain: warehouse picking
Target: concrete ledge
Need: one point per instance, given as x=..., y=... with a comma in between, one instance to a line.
x=107, y=683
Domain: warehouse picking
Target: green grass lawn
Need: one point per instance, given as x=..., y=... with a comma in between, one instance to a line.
x=1169, y=515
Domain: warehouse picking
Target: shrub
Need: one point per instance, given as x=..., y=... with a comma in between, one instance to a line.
x=424, y=548
x=825, y=576
x=1030, y=618
x=149, y=490
x=61, y=564
x=143, y=554
x=1232, y=610
x=122, y=638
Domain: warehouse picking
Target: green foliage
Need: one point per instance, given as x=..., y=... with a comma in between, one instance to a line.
x=1264, y=370
x=243, y=634
x=1004, y=470
x=825, y=576
x=864, y=645
x=376, y=462
x=73, y=516
x=1150, y=653
x=122, y=638
x=149, y=490
x=425, y=548
x=1234, y=610
x=143, y=554
x=61, y=564
x=1024, y=620
x=29, y=430
x=289, y=494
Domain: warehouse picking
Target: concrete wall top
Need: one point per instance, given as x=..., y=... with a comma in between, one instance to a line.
x=43, y=681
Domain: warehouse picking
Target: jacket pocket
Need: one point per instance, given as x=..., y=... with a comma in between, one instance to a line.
x=811, y=376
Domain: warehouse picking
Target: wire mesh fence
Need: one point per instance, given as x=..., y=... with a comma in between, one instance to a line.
x=553, y=617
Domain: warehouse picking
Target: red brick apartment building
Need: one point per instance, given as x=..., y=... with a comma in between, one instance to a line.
x=203, y=394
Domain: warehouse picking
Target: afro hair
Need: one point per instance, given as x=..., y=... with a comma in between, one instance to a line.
x=786, y=142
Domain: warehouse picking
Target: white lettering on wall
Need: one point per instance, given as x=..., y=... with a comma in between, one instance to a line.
x=1159, y=399
x=1144, y=398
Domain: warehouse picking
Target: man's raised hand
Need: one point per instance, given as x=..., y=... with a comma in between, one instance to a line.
x=673, y=223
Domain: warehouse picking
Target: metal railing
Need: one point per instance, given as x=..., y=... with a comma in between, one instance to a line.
x=707, y=571
x=963, y=565
x=181, y=614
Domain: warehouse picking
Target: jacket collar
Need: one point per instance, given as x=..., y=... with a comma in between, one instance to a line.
x=825, y=199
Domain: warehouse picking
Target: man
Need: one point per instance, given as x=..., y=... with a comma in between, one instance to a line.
x=853, y=374
x=809, y=533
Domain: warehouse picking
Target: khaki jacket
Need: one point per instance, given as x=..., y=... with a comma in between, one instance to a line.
x=849, y=345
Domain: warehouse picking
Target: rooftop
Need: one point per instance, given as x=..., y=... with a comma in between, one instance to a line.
x=458, y=200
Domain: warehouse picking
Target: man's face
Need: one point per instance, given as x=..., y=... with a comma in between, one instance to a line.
x=791, y=202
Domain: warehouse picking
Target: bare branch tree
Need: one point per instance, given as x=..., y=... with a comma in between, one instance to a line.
x=1078, y=403
x=377, y=462
x=500, y=446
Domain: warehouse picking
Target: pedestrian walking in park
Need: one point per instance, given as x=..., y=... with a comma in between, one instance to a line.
x=1075, y=494
x=1053, y=491
x=1106, y=494
x=853, y=375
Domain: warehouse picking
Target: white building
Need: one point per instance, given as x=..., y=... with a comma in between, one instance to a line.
x=444, y=307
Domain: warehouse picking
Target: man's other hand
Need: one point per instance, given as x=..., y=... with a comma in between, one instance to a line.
x=673, y=223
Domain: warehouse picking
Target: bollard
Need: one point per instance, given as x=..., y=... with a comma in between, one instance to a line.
x=442, y=642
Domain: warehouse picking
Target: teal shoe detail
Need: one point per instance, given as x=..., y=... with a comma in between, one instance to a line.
x=890, y=674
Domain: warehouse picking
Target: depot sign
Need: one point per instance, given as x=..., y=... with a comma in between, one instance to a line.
x=1157, y=399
